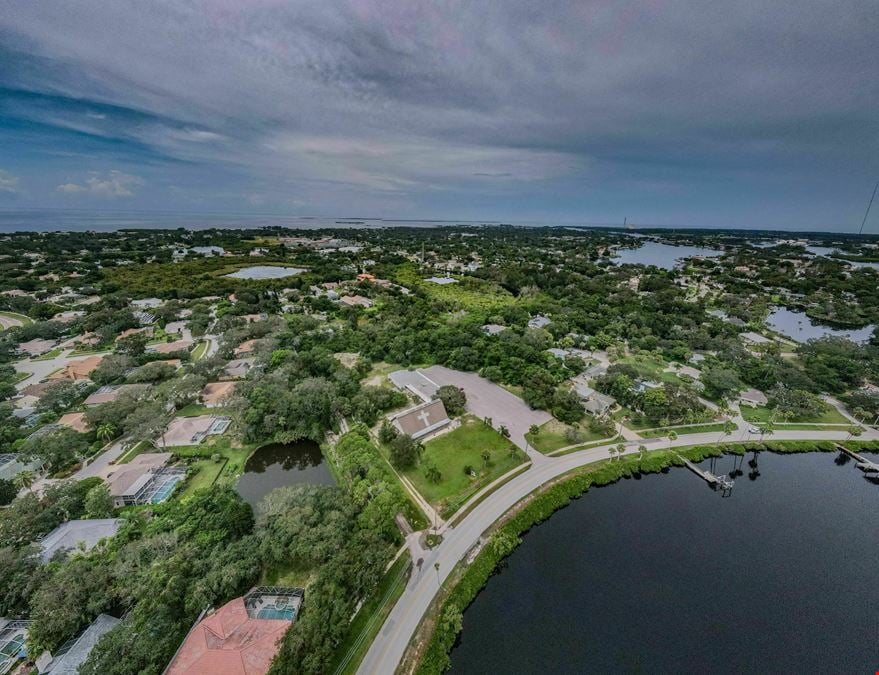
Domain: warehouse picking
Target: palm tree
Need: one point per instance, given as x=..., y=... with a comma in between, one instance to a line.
x=24, y=479
x=611, y=451
x=620, y=450
x=106, y=431
x=672, y=436
x=642, y=452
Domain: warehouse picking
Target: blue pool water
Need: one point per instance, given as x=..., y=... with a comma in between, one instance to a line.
x=165, y=491
x=272, y=613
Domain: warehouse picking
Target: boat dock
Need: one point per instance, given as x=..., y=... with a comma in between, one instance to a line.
x=725, y=483
x=863, y=463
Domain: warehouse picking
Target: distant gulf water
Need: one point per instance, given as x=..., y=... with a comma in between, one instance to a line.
x=50, y=220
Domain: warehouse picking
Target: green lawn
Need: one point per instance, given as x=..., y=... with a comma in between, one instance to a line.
x=25, y=320
x=683, y=431
x=452, y=451
x=552, y=436
x=19, y=377
x=288, y=575
x=761, y=415
x=196, y=409
x=134, y=451
x=650, y=367
x=236, y=456
x=51, y=354
x=206, y=473
x=199, y=350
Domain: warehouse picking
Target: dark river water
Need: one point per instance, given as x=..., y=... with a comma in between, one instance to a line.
x=662, y=575
x=281, y=464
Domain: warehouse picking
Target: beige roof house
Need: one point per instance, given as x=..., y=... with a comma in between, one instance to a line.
x=128, y=479
x=77, y=370
x=110, y=393
x=355, y=301
x=422, y=419
x=36, y=347
x=171, y=347
x=216, y=393
x=134, y=331
x=75, y=421
x=245, y=348
x=238, y=368
x=193, y=430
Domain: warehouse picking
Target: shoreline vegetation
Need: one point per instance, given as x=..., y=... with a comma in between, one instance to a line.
x=428, y=651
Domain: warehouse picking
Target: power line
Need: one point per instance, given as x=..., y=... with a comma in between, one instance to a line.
x=864, y=221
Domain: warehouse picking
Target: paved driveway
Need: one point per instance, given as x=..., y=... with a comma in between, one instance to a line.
x=486, y=399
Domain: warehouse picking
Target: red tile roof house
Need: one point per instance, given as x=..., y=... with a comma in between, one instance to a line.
x=229, y=641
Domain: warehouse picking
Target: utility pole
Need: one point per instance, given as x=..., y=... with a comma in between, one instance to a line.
x=873, y=196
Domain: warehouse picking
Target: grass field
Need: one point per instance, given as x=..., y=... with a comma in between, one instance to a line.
x=470, y=293
x=195, y=409
x=25, y=320
x=683, y=431
x=206, y=473
x=761, y=415
x=51, y=354
x=199, y=350
x=452, y=451
x=134, y=451
x=236, y=456
x=552, y=437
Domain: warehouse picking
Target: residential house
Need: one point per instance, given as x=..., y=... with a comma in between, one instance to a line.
x=75, y=421
x=237, y=369
x=77, y=535
x=73, y=654
x=216, y=394
x=36, y=347
x=110, y=392
x=240, y=638
x=355, y=301
x=77, y=370
x=143, y=480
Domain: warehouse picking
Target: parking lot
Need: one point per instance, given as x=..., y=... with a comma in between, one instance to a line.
x=486, y=399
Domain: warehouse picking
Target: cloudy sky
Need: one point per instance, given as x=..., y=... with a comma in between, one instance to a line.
x=747, y=114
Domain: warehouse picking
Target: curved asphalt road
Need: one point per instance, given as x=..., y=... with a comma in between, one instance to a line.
x=389, y=646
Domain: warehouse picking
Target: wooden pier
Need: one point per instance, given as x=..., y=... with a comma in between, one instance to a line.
x=725, y=483
x=863, y=463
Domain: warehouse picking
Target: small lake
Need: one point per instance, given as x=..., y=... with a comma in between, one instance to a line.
x=265, y=272
x=282, y=464
x=662, y=575
x=828, y=252
x=801, y=328
x=661, y=255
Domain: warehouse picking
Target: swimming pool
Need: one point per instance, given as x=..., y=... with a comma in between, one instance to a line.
x=287, y=614
x=165, y=490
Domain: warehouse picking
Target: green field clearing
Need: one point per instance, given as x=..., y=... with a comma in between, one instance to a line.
x=552, y=436
x=761, y=415
x=51, y=354
x=470, y=293
x=452, y=451
x=206, y=472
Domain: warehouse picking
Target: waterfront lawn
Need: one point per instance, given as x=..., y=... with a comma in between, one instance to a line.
x=205, y=474
x=551, y=436
x=236, y=456
x=454, y=450
x=762, y=415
